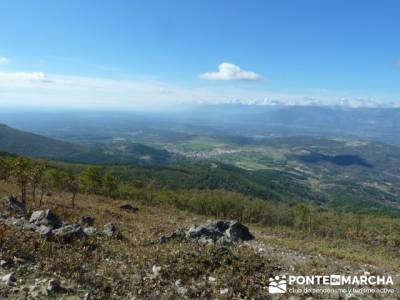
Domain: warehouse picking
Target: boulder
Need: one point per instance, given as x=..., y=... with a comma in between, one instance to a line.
x=15, y=206
x=221, y=231
x=129, y=208
x=211, y=230
x=86, y=221
x=238, y=232
x=69, y=233
x=110, y=230
x=45, y=217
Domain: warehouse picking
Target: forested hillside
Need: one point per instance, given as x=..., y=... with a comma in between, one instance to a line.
x=29, y=144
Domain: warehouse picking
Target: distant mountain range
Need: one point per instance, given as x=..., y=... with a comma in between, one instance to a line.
x=311, y=101
x=380, y=124
x=374, y=123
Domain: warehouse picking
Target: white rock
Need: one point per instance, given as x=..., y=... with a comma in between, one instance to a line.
x=8, y=279
x=181, y=290
x=3, y=263
x=156, y=270
x=224, y=291
x=212, y=279
x=89, y=230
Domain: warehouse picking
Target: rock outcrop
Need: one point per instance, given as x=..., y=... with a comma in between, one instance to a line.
x=220, y=231
x=46, y=218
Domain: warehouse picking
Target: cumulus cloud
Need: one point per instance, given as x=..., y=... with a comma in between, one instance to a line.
x=4, y=60
x=228, y=71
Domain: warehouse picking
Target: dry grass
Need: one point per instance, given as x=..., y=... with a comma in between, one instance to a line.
x=122, y=269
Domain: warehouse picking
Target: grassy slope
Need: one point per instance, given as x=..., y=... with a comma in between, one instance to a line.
x=121, y=268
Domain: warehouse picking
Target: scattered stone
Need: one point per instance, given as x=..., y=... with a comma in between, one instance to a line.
x=86, y=221
x=9, y=279
x=110, y=230
x=65, y=223
x=29, y=226
x=181, y=290
x=20, y=222
x=224, y=291
x=221, y=231
x=90, y=230
x=15, y=206
x=54, y=286
x=212, y=279
x=5, y=263
x=18, y=260
x=44, y=230
x=45, y=217
x=156, y=271
x=87, y=296
x=34, y=291
x=166, y=238
x=69, y=233
x=129, y=207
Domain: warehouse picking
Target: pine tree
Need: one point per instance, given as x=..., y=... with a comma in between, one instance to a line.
x=110, y=185
x=91, y=180
x=20, y=171
x=72, y=186
x=36, y=174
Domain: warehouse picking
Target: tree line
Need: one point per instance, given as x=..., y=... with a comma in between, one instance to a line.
x=35, y=179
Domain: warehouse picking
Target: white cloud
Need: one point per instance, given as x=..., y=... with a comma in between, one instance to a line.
x=21, y=77
x=4, y=60
x=24, y=89
x=228, y=71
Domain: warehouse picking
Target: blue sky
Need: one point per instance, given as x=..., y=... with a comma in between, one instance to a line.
x=146, y=53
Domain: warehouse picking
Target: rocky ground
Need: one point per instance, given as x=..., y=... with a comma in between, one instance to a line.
x=106, y=249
